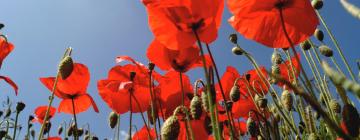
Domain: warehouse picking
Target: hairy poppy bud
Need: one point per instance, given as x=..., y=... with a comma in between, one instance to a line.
x=151, y=66
x=261, y=101
x=94, y=138
x=313, y=136
x=310, y=119
x=2, y=25
x=170, y=129
x=70, y=131
x=351, y=120
x=47, y=127
x=319, y=35
x=237, y=50
x=317, y=4
x=233, y=38
x=60, y=130
x=1, y=113
x=195, y=107
x=275, y=69
x=235, y=93
x=305, y=45
x=32, y=133
x=252, y=127
x=113, y=119
x=326, y=51
x=20, y=107
x=31, y=117
x=335, y=106
x=80, y=132
x=205, y=101
x=2, y=134
x=276, y=57
x=66, y=67
x=287, y=100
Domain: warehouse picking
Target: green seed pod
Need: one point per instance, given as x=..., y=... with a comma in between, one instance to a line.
x=237, y=50
x=287, y=100
x=317, y=4
x=305, y=45
x=113, y=119
x=335, y=106
x=66, y=67
x=351, y=119
x=326, y=51
x=170, y=129
x=2, y=25
x=319, y=35
x=195, y=107
x=235, y=93
x=313, y=136
x=151, y=66
x=252, y=127
x=261, y=101
x=205, y=101
x=20, y=107
x=233, y=38
x=276, y=57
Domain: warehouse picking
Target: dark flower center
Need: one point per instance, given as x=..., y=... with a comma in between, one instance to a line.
x=282, y=3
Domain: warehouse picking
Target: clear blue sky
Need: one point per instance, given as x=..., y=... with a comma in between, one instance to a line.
x=101, y=30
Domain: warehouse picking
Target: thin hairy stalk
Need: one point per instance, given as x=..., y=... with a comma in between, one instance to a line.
x=152, y=103
x=130, y=118
x=214, y=123
x=76, y=137
x=142, y=115
x=15, y=127
x=222, y=92
x=51, y=99
x=187, y=124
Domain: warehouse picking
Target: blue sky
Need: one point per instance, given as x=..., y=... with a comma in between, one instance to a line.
x=101, y=30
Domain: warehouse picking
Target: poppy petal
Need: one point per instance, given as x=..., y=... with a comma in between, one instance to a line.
x=81, y=104
x=77, y=82
x=11, y=83
x=6, y=48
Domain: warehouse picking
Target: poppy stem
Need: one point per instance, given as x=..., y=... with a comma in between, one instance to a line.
x=153, y=104
x=75, y=120
x=142, y=115
x=215, y=124
x=187, y=124
x=51, y=98
x=336, y=46
x=130, y=124
x=232, y=134
x=15, y=125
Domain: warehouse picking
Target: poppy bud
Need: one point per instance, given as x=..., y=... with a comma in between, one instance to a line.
x=205, y=101
x=2, y=134
x=60, y=130
x=233, y=38
x=252, y=127
x=319, y=35
x=94, y=138
x=207, y=125
x=235, y=93
x=1, y=113
x=170, y=129
x=237, y=50
x=151, y=66
x=20, y=107
x=326, y=51
x=313, y=136
x=2, y=25
x=195, y=107
x=32, y=133
x=287, y=100
x=351, y=120
x=31, y=117
x=132, y=75
x=70, y=131
x=276, y=57
x=275, y=69
x=260, y=101
x=317, y=4
x=80, y=132
x=66, y=67
x=335, y=106
x=305, y=45
x=47, y=127
x=113, y=119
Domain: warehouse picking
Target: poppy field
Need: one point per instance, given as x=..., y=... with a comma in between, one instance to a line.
x=181, y=88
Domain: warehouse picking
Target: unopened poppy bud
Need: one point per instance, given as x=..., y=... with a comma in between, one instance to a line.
x=313, y=136
x=335, y=106
x=275, y=69
x=94, y=138
x=31, y=117
x=287, y=100
x=60, y=130
x=170, y=129
x=207, y=125
x=233, y=38
x=132, y=75
x=2, y=25
x=80, y=132
x=66, y=67
x=326, y=51
x=32, y=133
x=235, y=93
x=261, y=101
x=252, y=127
x=151, y=66
x=195, y=107
x=47, y=127
x=317, y=4
x=20, y=107
x=113, y=119
x=351, y=120
x=1, y=113
x=2, y=134
x=237, y=50
x=70, y=131
x=319, y=35
x=305, y=45
x=276, y=57
x=205, y=101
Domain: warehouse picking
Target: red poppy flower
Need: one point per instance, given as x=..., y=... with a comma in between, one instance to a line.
x=54, y=138
x=40, y=113
x=180, y=60
x=172, y=21
x=198, y=129
x=170, y=92
x=286, y=70
x=116, y=90
x=142, y=134
x=260, y=20
x=72, y=89
x=242, y=107
x=5, y=49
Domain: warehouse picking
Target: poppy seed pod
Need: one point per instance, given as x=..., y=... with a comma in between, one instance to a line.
x=275, y=69
x=151, y=66
x=305, y=45
x=132, y=75
x=235, y=93
x=261, y=101
x=233, y=38
x=195, y=107
x=2, y=25
x=335, y=106
x=351, y=120
x=170, y=129
x=287, y=100
x=326, y=51
x=319, y=35
x=20, y=107
x=205, y=101
x=317, y=4
x=237, y=50
x=113, y=119
x=252, y=127
x=31, y=117
x=66, y=67
x=60, y=130
x=80, y=132
x=276, y=57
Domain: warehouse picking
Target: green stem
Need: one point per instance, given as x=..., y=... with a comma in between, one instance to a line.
x=76, y=137
x=152, y=103
x=130, y=124
x=15, y=127
x=187, y=124
x=142, y=115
